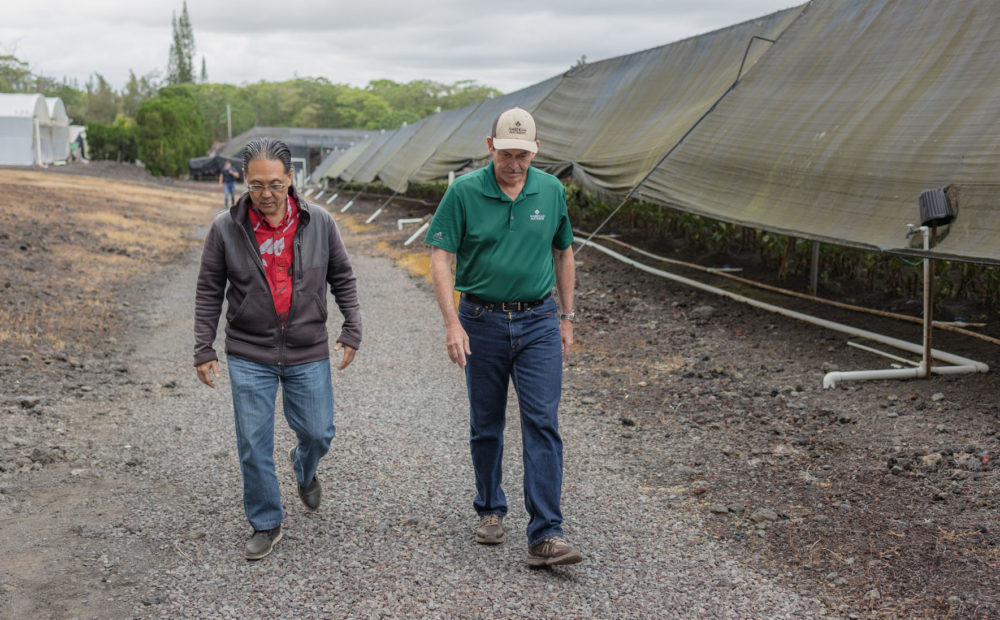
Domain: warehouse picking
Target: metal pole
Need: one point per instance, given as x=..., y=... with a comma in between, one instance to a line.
x=229, y=123
x=814, y=276
x=351, y=201
x=413, y=237
x=372, y=217
x=930, y=237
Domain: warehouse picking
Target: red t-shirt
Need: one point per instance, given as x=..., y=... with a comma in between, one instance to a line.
x=277, y=250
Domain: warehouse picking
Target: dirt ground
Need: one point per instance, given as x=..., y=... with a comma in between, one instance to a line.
x=882, y=498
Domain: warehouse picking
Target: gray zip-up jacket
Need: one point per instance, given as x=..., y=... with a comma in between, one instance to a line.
x=253, y=330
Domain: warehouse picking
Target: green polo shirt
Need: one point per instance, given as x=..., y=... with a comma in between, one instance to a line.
x=503, y=247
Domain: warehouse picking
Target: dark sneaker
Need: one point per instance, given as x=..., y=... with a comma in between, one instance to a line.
x=553, y=552
x=490, y=530
x=311, y=493
x=262, y=543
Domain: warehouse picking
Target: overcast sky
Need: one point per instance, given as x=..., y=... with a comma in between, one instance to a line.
x=507, y=45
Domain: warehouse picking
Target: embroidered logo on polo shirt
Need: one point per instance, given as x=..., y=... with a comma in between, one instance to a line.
x=439, y=236
x=537, y=216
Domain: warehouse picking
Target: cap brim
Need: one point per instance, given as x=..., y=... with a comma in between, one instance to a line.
x=507, y=144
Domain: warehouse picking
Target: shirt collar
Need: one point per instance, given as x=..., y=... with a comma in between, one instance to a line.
x=257, y=219
x=492, y=189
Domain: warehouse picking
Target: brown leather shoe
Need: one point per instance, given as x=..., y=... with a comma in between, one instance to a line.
x=262, y=543
x=553, y=552
x=312, y=492
x=490, y=530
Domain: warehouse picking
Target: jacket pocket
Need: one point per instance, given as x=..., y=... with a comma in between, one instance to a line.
x=252, y=315
x=307, y=324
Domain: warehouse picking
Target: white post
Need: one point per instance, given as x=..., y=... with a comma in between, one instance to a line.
x=38, y=143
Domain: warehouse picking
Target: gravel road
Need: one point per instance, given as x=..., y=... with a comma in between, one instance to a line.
x=394, y=535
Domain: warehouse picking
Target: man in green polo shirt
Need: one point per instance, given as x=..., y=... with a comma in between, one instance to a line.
x=506, y=230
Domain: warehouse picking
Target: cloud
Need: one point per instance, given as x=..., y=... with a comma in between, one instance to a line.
x=507, y=45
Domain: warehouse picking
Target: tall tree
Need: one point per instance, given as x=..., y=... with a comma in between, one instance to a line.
x=180, y=64
x=15, y=77
x=101, y=101
x=137, y=90
x=170, y=131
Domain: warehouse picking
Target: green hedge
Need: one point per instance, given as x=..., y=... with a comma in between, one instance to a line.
x=116, y=141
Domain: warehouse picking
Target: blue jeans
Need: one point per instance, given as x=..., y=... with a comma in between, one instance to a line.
x=307, y=396
x=524, y=347
x=230, y=189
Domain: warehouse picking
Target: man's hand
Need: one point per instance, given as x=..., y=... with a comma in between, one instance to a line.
x=348, y=357
x=566, y=334
x=458, y=344
x=206, y=372
x=456, y=339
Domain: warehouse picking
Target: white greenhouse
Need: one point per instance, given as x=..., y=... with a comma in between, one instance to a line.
x=33, y=130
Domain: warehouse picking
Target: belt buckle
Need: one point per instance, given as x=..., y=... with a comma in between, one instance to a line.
x=510, y=306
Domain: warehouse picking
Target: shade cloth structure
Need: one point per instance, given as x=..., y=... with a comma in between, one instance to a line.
x=320, y=172
x=365, y=170
x=337, y=161
x=466, y=145
x=357, y=155
x=611, y=121
x=299, y=140
x=23, y=118
x=420, y=146
x=57, y=133
x=858, y=107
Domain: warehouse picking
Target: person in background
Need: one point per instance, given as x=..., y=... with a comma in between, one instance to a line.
x=505, y=228
x=271, y=257
x=227, y=179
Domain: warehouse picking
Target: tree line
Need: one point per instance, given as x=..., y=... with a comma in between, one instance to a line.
x=112, y=117
x=163, y=123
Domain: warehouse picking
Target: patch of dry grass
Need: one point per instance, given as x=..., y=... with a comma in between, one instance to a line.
x=75, y=248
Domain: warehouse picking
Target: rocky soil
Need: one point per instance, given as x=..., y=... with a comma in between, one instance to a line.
x=695, y=416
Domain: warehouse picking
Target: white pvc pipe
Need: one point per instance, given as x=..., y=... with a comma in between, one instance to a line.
x=955, y=360
x=372, y=217
x=332, y=198
x=308, y=192
x=347, y=206
x=318, y=195
x=407, y=220
x=831, y=378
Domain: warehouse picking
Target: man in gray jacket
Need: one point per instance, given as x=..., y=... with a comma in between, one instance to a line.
x=271, y=257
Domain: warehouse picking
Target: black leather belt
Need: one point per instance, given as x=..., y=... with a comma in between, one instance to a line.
x=506, y=306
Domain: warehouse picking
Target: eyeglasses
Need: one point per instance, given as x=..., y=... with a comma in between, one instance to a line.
x=276, y=188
